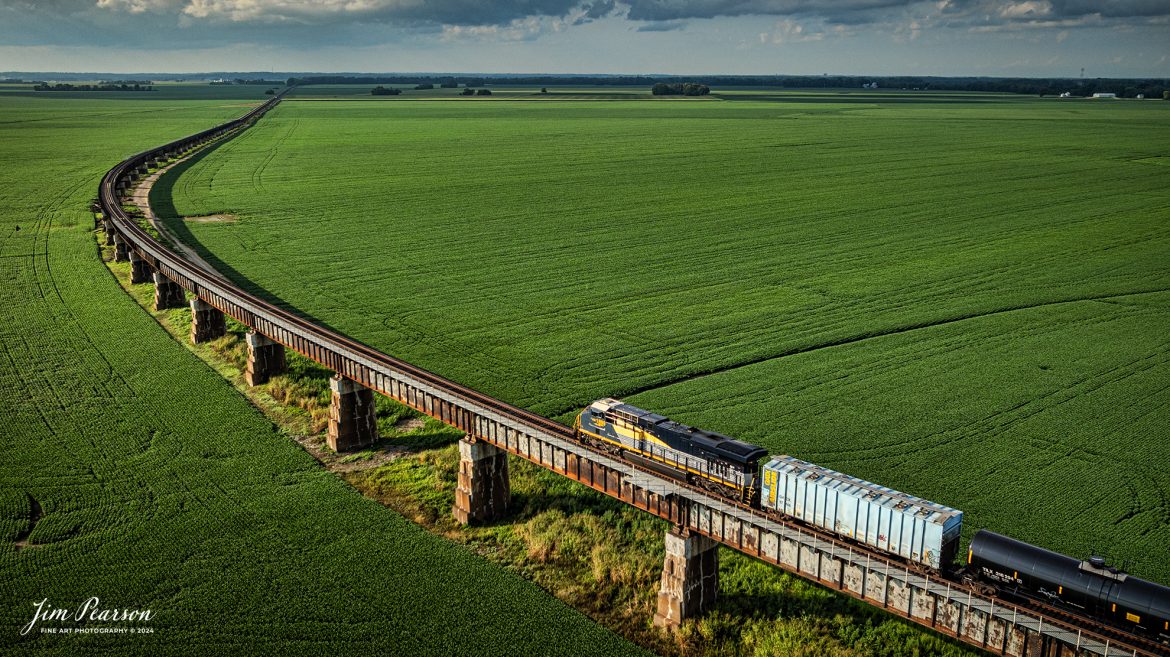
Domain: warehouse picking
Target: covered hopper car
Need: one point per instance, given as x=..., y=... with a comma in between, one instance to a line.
x=915, y=529
x=920, y=533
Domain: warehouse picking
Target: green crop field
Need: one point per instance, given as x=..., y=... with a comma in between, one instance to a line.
x=962, y=296
x=131, y=471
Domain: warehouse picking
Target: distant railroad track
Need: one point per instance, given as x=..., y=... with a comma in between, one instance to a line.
x=951, y=608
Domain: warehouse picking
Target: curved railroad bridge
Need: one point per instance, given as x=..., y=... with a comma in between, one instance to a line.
x=495, y=429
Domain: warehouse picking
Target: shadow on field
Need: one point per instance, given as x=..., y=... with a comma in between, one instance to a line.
x=162, y=201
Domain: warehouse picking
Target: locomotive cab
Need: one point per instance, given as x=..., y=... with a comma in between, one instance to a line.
x=705, y=458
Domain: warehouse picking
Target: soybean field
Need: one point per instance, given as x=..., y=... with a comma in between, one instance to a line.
x=961, y=296
x=132, y=472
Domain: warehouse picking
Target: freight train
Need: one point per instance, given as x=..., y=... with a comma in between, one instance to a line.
x=921, y=533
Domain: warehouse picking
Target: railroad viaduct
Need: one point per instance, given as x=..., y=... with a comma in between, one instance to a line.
x=495, y=430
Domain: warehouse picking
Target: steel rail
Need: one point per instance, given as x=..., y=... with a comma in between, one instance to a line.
x=256, y=312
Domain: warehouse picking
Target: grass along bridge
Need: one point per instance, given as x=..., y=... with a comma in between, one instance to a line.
x=495, y=430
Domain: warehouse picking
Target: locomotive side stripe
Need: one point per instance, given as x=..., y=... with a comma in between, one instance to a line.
x=634, y=435
x=705, y=475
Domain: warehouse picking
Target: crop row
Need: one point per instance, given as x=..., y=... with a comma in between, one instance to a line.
x=160, y=488
x=989, y=269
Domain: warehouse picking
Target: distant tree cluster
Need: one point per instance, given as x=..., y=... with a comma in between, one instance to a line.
x=683, y=89
x=444, y=82
x=467, y=92
x=385, y=91
x=483, y=92
x=1150, y=88
x=255, y=81
x=45, y=86
x=420, y=87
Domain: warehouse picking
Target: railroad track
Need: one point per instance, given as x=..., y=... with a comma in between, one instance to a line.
x=366, y=365
x=1112, y=635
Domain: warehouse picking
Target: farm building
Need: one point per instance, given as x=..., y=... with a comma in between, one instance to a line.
x=1104, y=95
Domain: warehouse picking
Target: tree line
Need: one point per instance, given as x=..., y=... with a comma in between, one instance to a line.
x=269, y=83
x=391, y=91
x=684, y=89
x=1124, y=87
x=45, y=86
x=443, y=82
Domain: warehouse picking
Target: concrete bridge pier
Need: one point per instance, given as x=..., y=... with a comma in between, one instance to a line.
x=140, y=270
x=108, y=226
x=265, y=359
x=483, y=490
x=207, y=322
x=690, y=578
x=352, y=424
x=167, y=293
x=121, y=249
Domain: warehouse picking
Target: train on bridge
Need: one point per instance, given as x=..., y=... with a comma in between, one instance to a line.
x=1103, y=611
x=923, y=534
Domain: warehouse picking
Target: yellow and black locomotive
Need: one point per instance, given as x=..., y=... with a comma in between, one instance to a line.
x=874, y=516
x=704, y=458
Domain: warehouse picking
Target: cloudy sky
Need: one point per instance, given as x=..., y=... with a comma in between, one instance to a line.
x=1107, y=38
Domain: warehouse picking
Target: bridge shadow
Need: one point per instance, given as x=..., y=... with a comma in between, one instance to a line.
x=162, y=202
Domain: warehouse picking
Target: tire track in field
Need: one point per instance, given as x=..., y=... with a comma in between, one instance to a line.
x=91, y=345
x=908, y=355
x=273, y=151
x=94, y=114
x=869, y=336
x=998, y=422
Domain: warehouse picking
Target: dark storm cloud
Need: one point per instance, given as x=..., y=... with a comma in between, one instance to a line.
x=317, y=23
x=993, y=15
x=1112, y=9
x=855, y=12
x=595, y=11
x=303, y=23
x=600, y=9
x=398, y=12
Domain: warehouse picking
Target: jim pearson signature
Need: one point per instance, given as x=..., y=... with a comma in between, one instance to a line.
x=89, y=611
